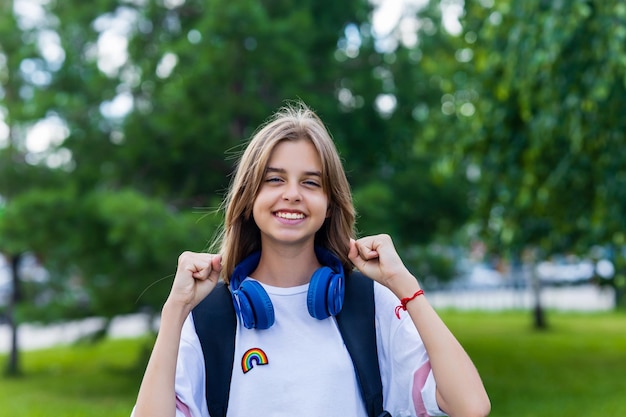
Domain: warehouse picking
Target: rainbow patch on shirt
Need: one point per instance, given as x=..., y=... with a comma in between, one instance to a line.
x=254, y=356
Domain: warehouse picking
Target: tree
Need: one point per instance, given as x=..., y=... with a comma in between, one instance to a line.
x=71, y=220
x=546, y=140
x=19, y=61
x=209, y=73
x=406, y=187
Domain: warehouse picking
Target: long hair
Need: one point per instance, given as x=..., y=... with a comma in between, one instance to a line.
x=240, y=236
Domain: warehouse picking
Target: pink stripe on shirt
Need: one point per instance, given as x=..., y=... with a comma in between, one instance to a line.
x=182, y=407
x=419, y=380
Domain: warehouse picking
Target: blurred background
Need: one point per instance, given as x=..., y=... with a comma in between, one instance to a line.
x=487, y=137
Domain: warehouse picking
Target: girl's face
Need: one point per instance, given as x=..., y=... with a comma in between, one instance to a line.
x=291, y=205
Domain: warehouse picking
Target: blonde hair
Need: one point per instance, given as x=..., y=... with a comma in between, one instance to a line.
x=240, y=236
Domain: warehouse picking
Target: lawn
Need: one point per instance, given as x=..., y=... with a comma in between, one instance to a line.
x=576, y=367
x=83, y=380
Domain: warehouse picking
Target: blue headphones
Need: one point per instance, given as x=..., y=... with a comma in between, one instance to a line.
x=253, y=304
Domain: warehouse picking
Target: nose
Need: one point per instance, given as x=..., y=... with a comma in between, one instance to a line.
x=292, y=193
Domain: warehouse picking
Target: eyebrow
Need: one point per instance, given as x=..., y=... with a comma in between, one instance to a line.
x=283, y=171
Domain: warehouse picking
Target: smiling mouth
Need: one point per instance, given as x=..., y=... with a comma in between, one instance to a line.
x=289, y=216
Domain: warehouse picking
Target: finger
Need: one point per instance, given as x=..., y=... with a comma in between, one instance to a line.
x=200, y=270
x=193, y=261
x=353, y=252
x=353, y=255
x=199, y=265
x=201, y=275
x=361, y=262
x=204, y=287
x=216, y=263
x=209, y=269
x=366, y=249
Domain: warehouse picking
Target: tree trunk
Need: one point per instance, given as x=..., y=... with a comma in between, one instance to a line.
x=539, y=320
x=13, y=365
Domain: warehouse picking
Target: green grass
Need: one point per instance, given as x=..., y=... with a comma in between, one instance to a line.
x=577, y=367
x=86, y=380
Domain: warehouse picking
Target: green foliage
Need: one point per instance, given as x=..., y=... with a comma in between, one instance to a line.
x=414, y=206
x=102, y=249
x=434, y=264
x=548, y=135
x=233, y=63
x=410, y=204
x=110, y=220
x=515, y=121
x=26, y=223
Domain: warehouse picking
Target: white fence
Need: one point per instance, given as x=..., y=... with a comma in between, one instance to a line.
x=566, y=298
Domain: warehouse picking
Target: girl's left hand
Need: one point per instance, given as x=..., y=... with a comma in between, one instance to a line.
x=376, y=257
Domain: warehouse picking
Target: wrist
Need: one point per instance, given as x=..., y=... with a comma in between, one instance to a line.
x=403, y=285
x=174, y=312
x=404, y=301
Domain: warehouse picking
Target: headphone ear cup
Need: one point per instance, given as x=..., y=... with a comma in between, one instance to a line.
x=254, y=305
x=325, y=295
x=336, y=291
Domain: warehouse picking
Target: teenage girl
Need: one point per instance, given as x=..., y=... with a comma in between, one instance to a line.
x=288, y=198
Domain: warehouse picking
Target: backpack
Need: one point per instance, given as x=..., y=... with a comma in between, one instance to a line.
x=215, y=322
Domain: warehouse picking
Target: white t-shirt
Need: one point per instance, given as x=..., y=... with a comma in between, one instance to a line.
x=301, y=367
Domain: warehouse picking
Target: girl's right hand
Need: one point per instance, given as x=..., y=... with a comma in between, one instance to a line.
x=196, y=276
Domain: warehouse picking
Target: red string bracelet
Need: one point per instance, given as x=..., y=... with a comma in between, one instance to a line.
x=405, y=301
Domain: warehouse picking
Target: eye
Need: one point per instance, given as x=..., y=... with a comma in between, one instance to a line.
x=273, y=179
x=312, y=183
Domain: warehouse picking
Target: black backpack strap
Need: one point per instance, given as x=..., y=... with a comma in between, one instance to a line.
x=357, y=325
x=216, y=324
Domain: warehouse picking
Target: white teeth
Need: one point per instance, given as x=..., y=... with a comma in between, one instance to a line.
x=290, y=216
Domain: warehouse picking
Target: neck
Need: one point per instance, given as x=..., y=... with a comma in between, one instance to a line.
x=286, y=266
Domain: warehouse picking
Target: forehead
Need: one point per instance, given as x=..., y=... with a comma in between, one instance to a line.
x=295, y=154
